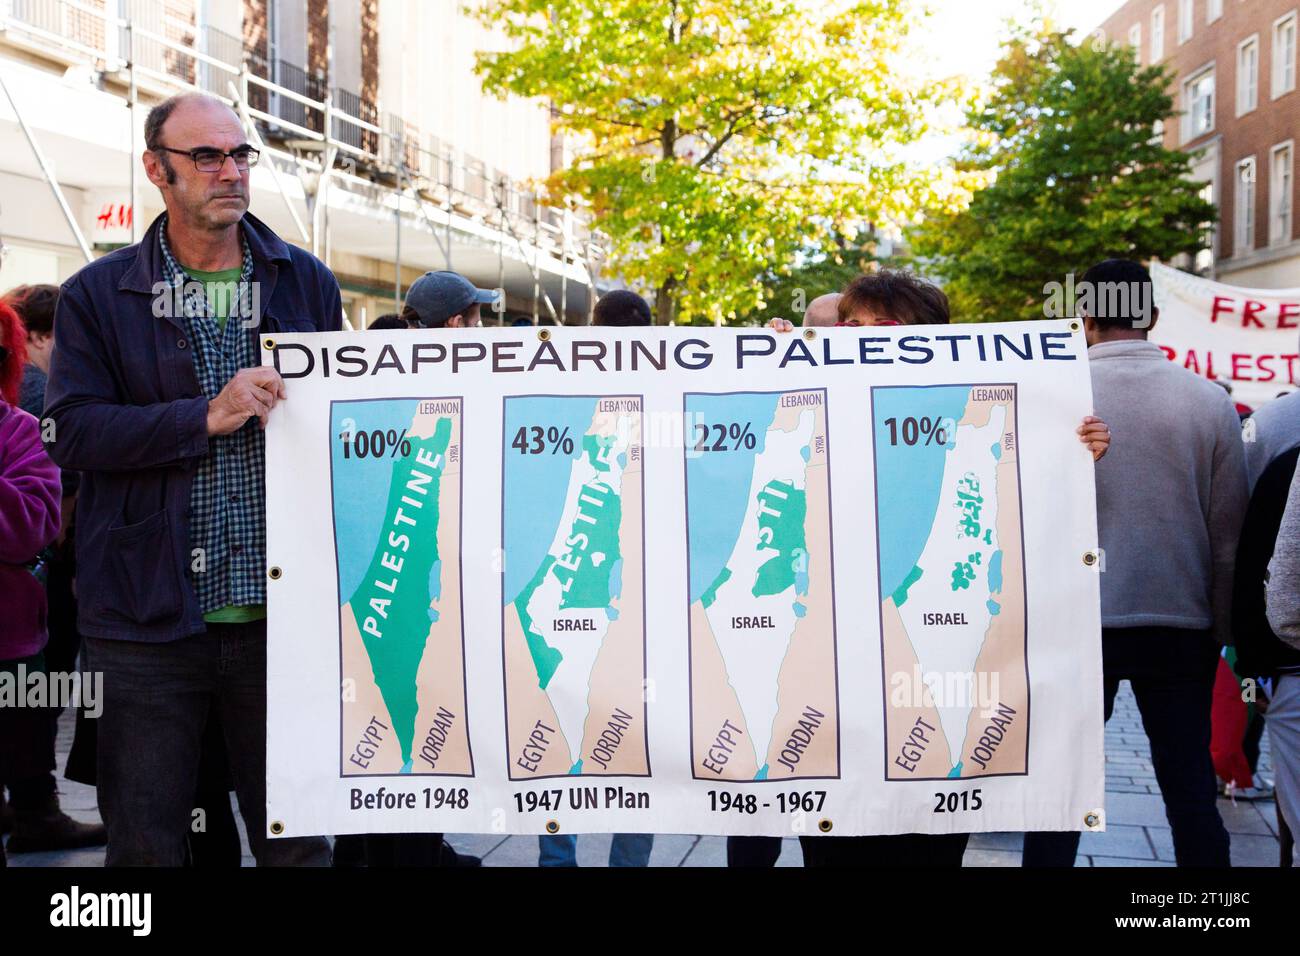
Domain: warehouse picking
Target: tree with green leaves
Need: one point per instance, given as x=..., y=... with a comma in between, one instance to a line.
x=1069, y=136
x=716, y=139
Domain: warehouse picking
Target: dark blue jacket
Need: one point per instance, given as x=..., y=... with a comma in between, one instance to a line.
x=129, y=415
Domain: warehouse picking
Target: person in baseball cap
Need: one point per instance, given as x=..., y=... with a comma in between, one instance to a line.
x=444, y=300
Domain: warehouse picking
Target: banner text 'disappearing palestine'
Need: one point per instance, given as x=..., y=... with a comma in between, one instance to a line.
x=683, y=581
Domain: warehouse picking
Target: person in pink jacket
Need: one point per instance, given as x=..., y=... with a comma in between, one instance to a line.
x=29, y=508
x=29, y=521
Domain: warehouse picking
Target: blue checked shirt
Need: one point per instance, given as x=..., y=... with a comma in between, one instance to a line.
x=227, y=521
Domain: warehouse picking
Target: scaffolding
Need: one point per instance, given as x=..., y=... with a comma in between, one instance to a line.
x=317, y=141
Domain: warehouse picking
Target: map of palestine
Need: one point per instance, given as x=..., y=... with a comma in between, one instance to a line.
x=764, y=702
x=573, y=622
x=395, y=468
x=952, y=581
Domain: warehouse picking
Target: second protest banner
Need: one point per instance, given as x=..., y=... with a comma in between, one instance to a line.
x=1245, y=338
x=840, y=581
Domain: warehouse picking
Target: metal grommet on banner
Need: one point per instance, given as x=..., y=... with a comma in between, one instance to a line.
x=275, y=573
x=1075, y=326
x=825, y=826
x=268, y=343
x=276, y=827
x=810, y=334
x=552, y=826
x=544, y=334
x=1093, y=819
x=1090, y=558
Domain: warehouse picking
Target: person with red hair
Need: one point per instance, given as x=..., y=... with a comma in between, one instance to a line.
x=13, y=342
x=29, y=521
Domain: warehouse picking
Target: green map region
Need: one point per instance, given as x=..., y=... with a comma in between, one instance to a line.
x=594, y=529
x=392, y=604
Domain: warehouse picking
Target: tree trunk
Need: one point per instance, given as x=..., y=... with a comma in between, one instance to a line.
x=665, y=297
x=666, y=302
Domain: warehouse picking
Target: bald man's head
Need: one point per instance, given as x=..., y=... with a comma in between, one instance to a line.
x=823, y=311
x=189, y=123
x=202, y=108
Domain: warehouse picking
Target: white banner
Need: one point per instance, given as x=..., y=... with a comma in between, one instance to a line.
x=1249, y=338
x=683, y=581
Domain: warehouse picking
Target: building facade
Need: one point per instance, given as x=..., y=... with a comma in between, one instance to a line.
x=381, y=152
x=1234, y=68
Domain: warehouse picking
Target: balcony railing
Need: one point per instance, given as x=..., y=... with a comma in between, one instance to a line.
x=350, y=104
x=221, y=46
x=282, y=75
x=289, y=103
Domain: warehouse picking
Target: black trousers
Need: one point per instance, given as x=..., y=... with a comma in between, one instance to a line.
x=26, y=741
x=1172, y=673
x=216, y=843
x=27, y=760
x=157, y=698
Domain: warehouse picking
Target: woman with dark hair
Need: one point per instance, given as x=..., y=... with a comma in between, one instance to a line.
x=34, y=305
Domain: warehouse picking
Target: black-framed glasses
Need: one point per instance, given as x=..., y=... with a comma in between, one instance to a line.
x=209, y=159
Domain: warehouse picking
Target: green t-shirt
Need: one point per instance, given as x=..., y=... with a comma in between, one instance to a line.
x=236, y=614
x=221, y=289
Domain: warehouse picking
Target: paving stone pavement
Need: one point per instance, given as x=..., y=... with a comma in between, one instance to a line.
x=1137, y=833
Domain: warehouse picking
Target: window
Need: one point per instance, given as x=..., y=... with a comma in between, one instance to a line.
x=1203, y=264
x=1186, y=20
x=1206, y=172
x=1213, y=10
x=1280, y=194
x=1158, y=34
x=1244, y=206
x=1284, y=55
x=1247, y=75
x=1135, y=40
x=1198, y=104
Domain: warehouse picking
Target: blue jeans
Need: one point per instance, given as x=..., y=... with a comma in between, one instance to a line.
x=157, y=698
x=626, y=849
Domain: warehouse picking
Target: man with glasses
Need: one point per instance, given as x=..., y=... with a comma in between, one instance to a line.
x=157, y=397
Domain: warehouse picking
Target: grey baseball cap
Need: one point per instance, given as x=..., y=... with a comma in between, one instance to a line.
x=437, y=296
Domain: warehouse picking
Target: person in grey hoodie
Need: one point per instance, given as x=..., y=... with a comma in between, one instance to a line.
x=1171, y=497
